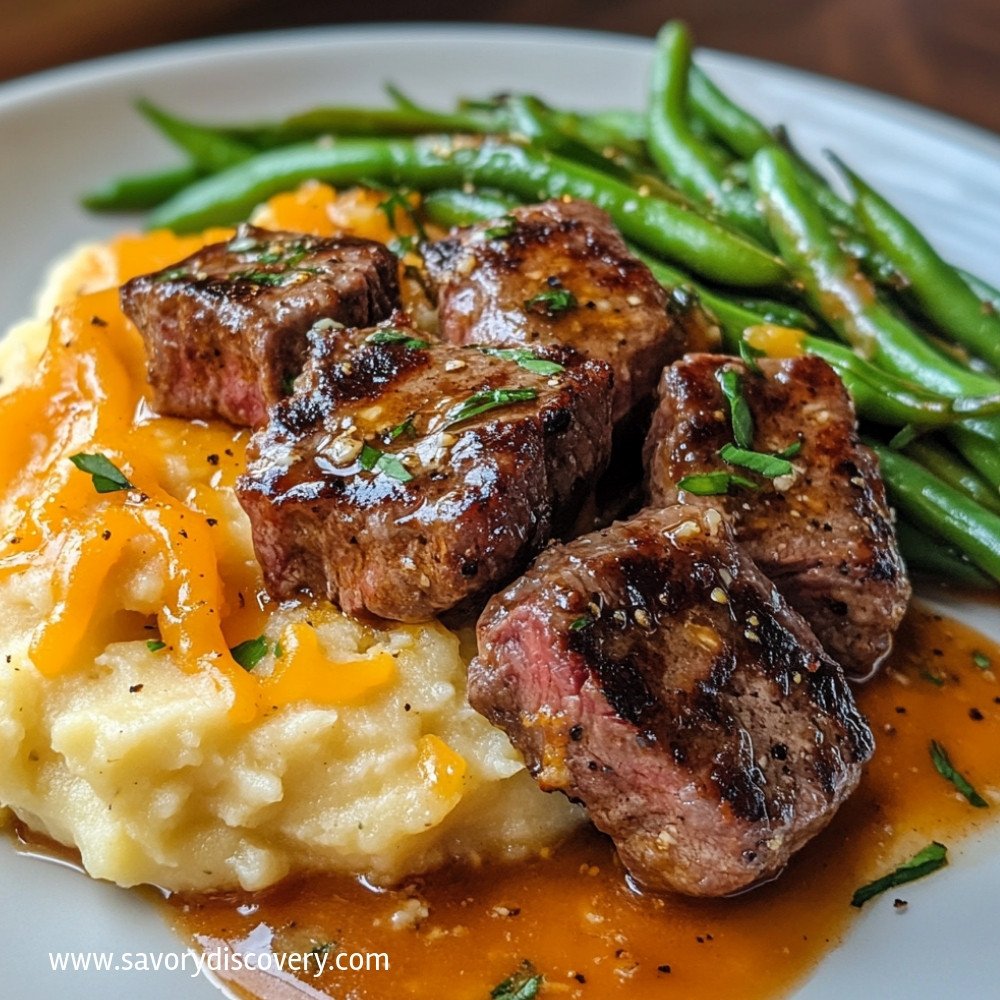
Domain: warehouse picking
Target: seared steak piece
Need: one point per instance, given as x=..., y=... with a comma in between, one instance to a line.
x=825, y=535
x=651, y=672
x=557, y=272
x=225, y=329
x=403, y=478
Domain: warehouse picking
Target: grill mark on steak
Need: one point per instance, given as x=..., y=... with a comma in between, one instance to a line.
x=459, y=509
x=827, y=539
x=620, y=314
x=650, y=670
x=225, y=329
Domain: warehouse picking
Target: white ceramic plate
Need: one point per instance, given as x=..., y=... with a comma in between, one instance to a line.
x=66, y=131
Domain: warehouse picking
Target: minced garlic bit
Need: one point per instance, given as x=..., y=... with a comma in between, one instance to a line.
x=344, y=449
x=413, y=912
x=686, y=529
x=642, y=618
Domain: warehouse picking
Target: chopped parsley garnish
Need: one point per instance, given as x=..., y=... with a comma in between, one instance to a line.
x=769, y=466
x=250, y=652
x=396, y=199
x=581, y=623
x=981, y=660
x=273, y=279
x=289, y=255
x=522, y=985
x=504, y=227
x=172, y=274
x=106, y=476
x=273, y=252
x=392, y=335
x=944, y=767
x=526, y=359
x=322, y=948
x=933, y=678
x=707, y=484
x=404, y=429
x=739, y=412
x=485, y=400
x=930, y=859
x=749, y=355
x=552, y=302
x=270, y=279
x=155, y=645
x=791, y=451
x=374, y=460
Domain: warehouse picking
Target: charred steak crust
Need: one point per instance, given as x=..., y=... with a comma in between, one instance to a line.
x=651, y=672
x=826, y=539
x=225, y=329
x=560, y=272
x=370, y=487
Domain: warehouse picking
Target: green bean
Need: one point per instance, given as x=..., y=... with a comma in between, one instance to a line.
x=745, y=134
x=737, y=128
x=347, y=121
x=677, y=151
x=979, y=450
x=934, y=506
x=926, y=555
x=843, y=296
x=986, y=293
x=434, y=162
x=380, y=122
x=848, y=302
x=399, y=98
x=953, y=471
x=554, y=132
x=938, y=289
x=209, y=149
x=886, y=399
x=140, y=192
x=454, y=207
x=877, y=395
x=530, y=117
x=780, y=313
x=622, y=130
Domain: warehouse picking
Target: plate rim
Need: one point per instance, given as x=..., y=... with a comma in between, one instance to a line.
x=23, y=90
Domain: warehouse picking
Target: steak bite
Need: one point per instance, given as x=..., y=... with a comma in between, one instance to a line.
x=651, y=672
x=824, y=533
x=225, y=329
x=404, y=478
x=557, y=272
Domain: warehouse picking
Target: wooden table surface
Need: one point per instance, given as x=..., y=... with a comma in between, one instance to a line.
x=944, y=54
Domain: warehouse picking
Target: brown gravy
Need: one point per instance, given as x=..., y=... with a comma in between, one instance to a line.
x=574, y=918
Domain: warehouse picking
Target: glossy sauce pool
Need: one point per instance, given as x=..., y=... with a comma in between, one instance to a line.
x=572, y=915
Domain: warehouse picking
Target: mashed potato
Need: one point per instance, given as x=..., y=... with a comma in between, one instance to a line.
x=126, y=733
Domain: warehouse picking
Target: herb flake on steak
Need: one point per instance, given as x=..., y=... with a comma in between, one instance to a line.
x=403, y=478
x=558, y=272
x=823, y=532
